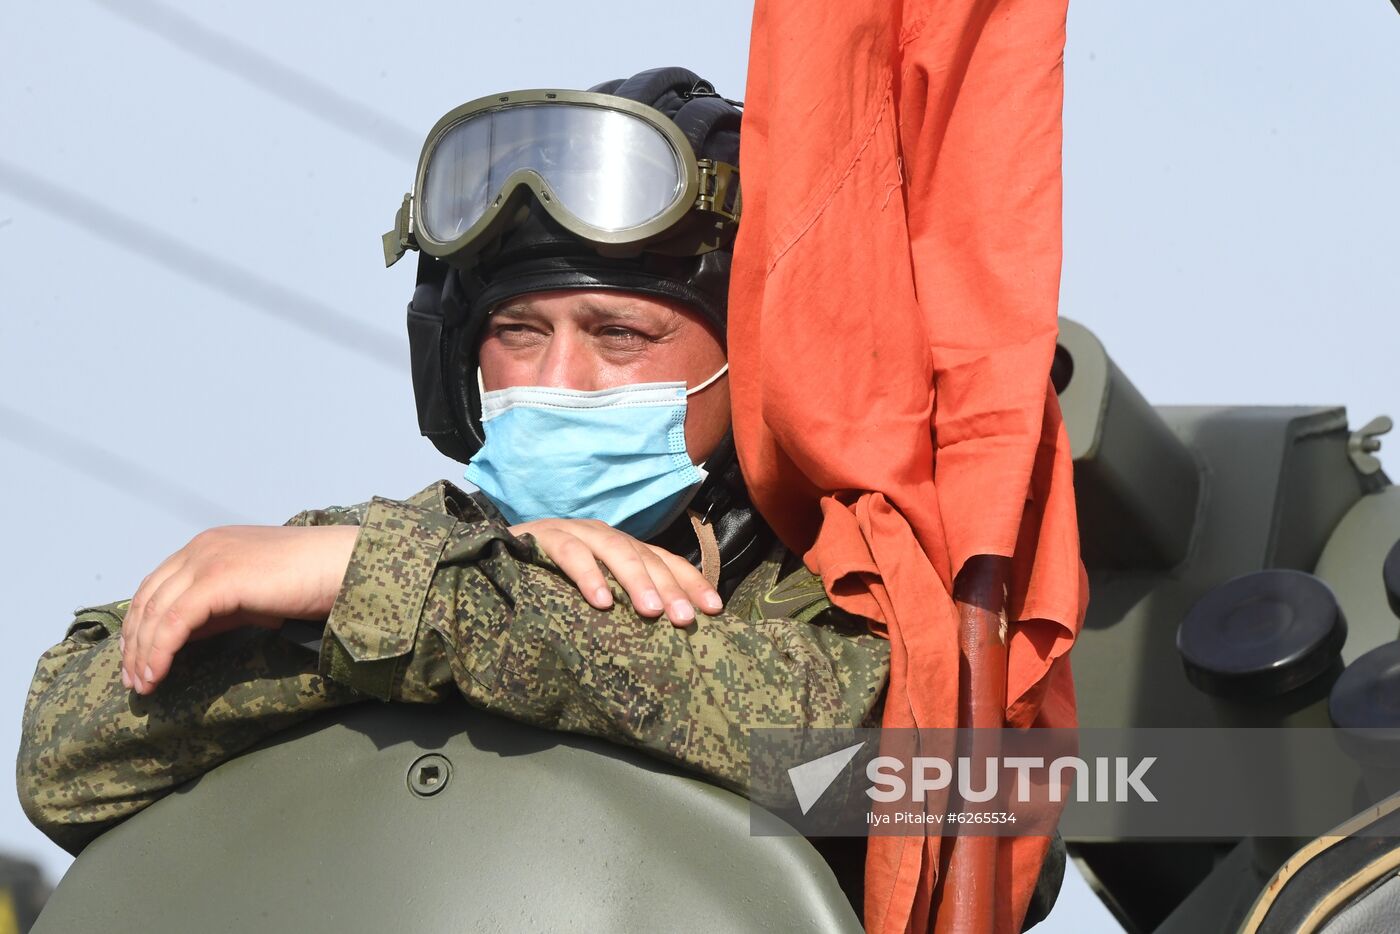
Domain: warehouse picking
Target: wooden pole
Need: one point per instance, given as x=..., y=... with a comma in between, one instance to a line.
x=968, y=885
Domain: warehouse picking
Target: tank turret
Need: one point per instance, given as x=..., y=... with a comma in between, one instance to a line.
x=1238, y=559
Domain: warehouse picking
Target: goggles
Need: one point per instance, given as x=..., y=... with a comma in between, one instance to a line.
x=615, y=173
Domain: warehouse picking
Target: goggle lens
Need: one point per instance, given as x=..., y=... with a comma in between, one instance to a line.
x=611, y=170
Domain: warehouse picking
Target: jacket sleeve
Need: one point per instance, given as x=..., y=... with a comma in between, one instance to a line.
x=443, y=595
x=93, y=753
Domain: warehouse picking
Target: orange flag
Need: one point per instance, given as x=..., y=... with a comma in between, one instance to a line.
x=892, y=323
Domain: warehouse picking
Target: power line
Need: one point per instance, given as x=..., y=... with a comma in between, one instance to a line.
x=293, y=87
x=243, y=285
x=112, y=469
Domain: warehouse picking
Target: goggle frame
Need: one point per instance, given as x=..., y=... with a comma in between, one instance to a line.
x=706, y=186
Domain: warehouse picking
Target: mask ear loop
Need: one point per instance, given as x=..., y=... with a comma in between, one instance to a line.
x=689, y=392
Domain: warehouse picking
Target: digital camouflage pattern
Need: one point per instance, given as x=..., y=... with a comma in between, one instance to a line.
x=439, y=598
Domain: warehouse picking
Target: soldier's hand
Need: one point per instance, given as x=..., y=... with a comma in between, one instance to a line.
x=655, y=579
x=226, y=578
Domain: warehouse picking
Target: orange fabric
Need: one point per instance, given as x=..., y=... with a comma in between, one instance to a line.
x=892, y=322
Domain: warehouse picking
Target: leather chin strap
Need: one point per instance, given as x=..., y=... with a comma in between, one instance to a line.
x=709, y=548
x=741, y=537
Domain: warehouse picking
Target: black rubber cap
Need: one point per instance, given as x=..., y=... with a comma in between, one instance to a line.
x=1261, y=634
x=1367, y=695
x=1365, y=707
x=1390, y=571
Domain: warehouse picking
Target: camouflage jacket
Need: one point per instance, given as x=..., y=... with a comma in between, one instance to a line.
x=440, y=598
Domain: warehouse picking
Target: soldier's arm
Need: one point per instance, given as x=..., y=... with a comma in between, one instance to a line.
x=93, y=753
x=437, y=596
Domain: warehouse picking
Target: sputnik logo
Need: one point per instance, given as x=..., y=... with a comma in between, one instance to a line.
x=810, y=780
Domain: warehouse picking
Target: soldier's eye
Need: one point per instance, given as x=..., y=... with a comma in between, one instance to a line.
x=511, y=333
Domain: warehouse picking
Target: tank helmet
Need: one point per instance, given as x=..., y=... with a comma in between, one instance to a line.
x=512, y=197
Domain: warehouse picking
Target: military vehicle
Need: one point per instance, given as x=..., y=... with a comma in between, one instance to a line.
x=398, y=818
x=1244, y=567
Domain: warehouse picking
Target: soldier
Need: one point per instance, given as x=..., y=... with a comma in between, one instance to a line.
x=568, y=340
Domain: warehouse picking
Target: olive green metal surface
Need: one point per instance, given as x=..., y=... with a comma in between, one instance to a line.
x=531, y=831
x=1351, y=563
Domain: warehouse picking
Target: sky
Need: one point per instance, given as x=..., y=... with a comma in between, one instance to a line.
x=196, y=327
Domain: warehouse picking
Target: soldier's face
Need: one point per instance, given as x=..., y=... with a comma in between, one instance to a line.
x=598, y=339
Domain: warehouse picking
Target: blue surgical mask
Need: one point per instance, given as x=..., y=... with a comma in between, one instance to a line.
x=617, y=455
